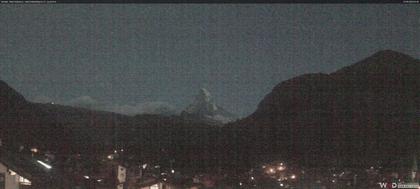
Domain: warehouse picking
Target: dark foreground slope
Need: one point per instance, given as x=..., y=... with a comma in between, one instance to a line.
x=67, y=131
x=364, y=113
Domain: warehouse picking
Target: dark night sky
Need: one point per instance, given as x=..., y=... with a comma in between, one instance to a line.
x=134, y=55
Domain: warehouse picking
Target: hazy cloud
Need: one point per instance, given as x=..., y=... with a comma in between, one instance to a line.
x=86, y=102
x=145, y=108
x=155, y=107
x=42, y=99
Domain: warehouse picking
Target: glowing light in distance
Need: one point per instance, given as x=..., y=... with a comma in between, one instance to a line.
x=12, y=172
x=281, y=168
x=271, y=170
x=44, y=164
x=34, y=150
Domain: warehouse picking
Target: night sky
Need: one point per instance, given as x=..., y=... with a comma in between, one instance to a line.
x=136, y=56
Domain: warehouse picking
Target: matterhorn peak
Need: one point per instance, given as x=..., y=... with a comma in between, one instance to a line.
x=204, y=95
x=203, y=107
x=202, y=104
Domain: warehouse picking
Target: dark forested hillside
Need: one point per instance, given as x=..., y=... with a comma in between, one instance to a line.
x=360, y=114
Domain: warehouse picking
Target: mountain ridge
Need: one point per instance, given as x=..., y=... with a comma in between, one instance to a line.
x=365, y=108
x=9, y=98
x=203, y=107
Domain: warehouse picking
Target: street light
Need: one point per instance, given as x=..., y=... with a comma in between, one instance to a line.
x=44, y=164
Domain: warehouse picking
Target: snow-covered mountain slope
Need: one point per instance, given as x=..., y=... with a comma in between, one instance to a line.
x=203, y=107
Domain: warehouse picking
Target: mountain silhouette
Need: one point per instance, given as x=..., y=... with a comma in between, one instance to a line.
x=204, y=108
x=363, y=113
x=9, y=98
x=66, y=131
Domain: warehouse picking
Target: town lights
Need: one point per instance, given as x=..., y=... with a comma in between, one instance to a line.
x=86, y=177
x=12, y=172
x=44, y=164
x=281, y=167
x=271, y=171
x=34, y=150
x=172, y=171
x=293, y=176
x=110, y=157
